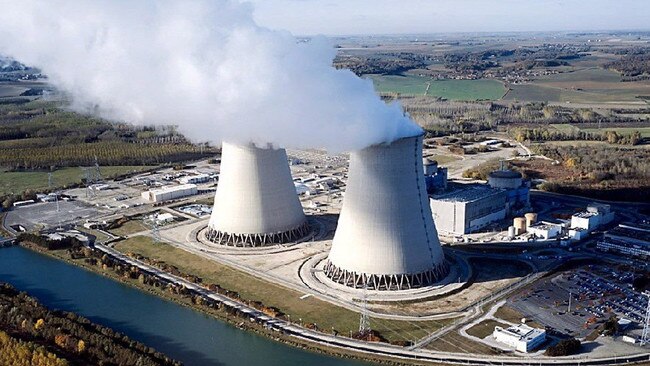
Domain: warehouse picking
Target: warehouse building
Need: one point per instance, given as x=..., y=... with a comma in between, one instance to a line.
x=194, y=179
x=521, y=337
x=629, y=240
x=467, y=208
x=170, y=193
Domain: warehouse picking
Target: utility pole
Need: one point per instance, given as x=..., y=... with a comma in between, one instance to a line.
x=645, y=337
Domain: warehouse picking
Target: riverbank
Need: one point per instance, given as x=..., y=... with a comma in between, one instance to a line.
x=221, y=314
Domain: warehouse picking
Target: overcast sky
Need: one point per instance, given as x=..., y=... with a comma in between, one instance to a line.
x=341, y=17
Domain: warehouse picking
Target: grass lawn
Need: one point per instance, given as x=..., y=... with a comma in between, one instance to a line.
x=310, y=310
x=16, y=182
x=454, y=342
x=485, y=328
x=444, y=159
x=513, y=316
x=130, y=227
x=449, y=89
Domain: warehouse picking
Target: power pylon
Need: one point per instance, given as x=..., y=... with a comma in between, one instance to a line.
x=645, y=337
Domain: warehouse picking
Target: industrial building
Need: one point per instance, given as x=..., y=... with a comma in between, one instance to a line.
x=435, y=176
x=521, y=337
x=386, y=238
x=596, y=215
x=544, y=230
x=256, y=202
x=467, y=208
x=630, y=240
x=194, y=179
x=517, y=189
x=170, y=193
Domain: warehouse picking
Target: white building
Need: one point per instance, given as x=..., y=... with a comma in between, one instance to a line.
x=468, y=208
x=386, y=238
x=521, y=337
x=170, y=193
x=164, y=218
x=585, y=220
x=544, y=230
x=194, y=179
x=256, y=202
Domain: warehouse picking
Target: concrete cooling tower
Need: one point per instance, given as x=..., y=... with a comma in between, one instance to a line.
x=256, y=202
x=386, y=238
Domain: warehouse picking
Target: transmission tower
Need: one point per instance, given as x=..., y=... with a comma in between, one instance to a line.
x=152, y=222
x=56, y=194
x=364, y=323
x=98, y=173
x=645, y=337
x=88, y=176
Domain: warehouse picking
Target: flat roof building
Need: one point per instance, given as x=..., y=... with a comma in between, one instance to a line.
x=628, y=240
x=521, y=337
x=468, y=208
x=170, y=193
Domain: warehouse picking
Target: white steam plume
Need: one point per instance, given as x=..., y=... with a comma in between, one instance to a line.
x=203, y=65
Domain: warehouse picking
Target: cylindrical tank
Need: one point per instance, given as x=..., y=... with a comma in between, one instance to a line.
x=520, y=225
x=507, y=179
x=512, y=232
x=256, y=202
x=430, y=166
x=531, y=218
x=386, y=238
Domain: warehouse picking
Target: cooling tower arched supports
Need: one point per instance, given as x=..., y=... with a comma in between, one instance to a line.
x=256, y=203
x=386, y=238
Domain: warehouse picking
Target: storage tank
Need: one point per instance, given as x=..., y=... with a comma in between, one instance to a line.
x=512, y=232
x=520, y=225
x=507, y=179
x=386, y=238
x=430, y=166
x=531, y=218
x=256, y=202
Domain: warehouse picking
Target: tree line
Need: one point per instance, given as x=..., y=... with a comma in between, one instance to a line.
x=75, y=338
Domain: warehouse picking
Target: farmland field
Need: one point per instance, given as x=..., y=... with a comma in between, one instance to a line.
x=566, y=127
x=581, y=86
x=448, y=89
x=17, y=182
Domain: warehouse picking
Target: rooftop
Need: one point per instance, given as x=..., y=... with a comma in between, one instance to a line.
x=585, y=214
x=466, y=193
x=632, y=232
x=173, y=188
x=523, y=331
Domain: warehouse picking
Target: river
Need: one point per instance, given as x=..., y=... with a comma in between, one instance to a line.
x=181, y=333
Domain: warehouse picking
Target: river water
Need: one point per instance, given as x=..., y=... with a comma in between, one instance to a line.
x=179, y=332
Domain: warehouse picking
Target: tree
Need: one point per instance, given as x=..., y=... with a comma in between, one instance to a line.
x=564, y=347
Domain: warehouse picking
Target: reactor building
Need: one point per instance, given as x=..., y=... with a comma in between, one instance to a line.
x=386, y=238
x=256, y=203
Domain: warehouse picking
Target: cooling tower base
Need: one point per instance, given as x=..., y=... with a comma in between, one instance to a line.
x=257, y=240
x=385, y=282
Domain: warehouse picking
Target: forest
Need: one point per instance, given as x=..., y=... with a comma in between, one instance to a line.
x=40, y=135
x=33, y=327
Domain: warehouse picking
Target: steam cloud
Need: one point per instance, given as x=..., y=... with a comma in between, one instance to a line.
x=203, y=65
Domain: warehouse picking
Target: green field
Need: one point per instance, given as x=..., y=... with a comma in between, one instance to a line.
x=310, y=309
x=17, y=182
x=589, y=85
x=448, y=89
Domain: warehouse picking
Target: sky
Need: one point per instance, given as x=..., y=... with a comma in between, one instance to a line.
x=350, y=17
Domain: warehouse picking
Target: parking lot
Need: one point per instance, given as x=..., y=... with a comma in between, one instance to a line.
x=47, y=214
x=576, y=302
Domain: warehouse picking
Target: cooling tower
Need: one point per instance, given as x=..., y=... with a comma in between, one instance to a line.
x=386, y=238
x=256, y=202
